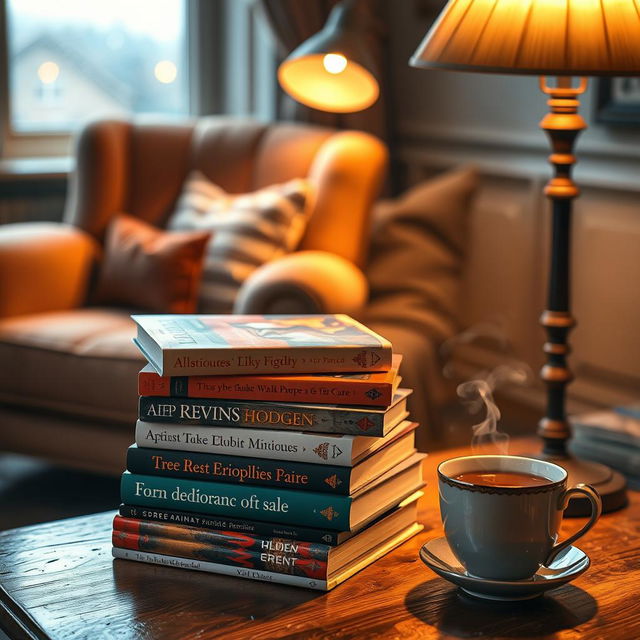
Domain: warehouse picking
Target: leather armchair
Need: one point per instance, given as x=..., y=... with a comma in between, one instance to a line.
x=68, y=374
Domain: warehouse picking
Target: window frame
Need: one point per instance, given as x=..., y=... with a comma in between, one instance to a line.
x=200, y=64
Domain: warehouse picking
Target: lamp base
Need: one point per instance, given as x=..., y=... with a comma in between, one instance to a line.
x=610, y=484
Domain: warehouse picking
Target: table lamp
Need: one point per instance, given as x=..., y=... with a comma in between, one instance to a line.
x=333, y=70
x=565, y=39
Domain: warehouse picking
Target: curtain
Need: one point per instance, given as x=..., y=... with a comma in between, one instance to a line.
x=292, y=22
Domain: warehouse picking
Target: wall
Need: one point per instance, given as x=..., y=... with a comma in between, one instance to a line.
x=444, y=119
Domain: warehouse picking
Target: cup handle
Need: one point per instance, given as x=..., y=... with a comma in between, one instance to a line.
x=596, y=510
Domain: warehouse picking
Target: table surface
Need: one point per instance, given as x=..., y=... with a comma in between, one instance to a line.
x=59, y=581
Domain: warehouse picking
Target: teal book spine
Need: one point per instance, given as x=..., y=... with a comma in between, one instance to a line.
x=256, y=503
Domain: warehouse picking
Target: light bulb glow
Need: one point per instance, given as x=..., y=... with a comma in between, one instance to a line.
x=165, y=71
x=334, y=63
x=48, y=72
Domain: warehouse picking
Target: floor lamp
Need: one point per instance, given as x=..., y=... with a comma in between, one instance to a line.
x=565, y=39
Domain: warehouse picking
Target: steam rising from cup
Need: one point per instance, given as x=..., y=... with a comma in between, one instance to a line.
x=479, y=393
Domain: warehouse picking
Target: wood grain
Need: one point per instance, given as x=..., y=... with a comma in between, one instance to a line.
x=59, y=581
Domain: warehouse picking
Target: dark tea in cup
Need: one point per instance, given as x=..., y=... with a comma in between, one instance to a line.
x=502, y=479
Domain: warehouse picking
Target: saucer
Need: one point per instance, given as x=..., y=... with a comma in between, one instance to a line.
x=567, y=565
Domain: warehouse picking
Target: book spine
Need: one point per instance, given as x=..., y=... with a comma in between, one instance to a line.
x=151, y=384
x=216, y=498
x=236, y=470
x=266, y=561
x=275, y=360
x=221, y=569
x=260, y=415
x=233, y=539
x=254, y=443
x=265, y=530
x=340, y=391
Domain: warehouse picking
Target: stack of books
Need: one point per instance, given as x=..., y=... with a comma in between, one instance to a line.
x=611, y=437
x=275, y=448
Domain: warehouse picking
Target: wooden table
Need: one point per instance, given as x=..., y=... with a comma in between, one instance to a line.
x=59, y=581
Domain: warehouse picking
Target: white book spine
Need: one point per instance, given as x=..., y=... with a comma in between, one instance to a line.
x=223, y=569
x=317, y=448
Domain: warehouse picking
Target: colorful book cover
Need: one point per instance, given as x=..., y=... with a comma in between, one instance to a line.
x=348, y=389
x=232, y=539
x=232, y=555
x=370, y=421
x=356, y=565
x=179, y=345
x=237, y=470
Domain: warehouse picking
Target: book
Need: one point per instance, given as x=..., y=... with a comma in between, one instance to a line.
x=351, y=389
x=293, y=557
x=615, y=426
x=280, y=563
x=631, y=410
x=233, y=540
x=372, y=421
x=285, y=506
x=294, y=446
x=617, y=455
x=269, y=576
x=264, y=472
x=223, y=523
x=179, y=345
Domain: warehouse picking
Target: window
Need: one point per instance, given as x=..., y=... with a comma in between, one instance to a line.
x=74, y=60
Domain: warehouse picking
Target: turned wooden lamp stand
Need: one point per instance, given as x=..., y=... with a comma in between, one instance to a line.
x=563, y=125
x=568, y=39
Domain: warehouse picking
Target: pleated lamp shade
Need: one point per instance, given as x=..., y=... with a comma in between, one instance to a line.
x=538, y=37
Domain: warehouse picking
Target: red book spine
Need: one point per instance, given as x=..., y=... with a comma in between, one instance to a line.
x=151, y=384
x=222, y=538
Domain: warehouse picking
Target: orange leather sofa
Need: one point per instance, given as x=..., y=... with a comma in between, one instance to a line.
x=67, y=370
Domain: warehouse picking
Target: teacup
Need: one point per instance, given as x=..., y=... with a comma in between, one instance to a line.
x=507, y=532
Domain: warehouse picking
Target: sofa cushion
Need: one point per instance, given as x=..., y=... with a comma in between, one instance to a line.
x=417, y=253
x=79, y=362
x=249, y=230
x=150, y=269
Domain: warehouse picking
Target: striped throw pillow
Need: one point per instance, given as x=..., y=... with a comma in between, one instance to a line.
x=247, y=230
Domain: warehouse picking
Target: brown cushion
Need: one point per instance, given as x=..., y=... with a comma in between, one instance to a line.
x=81, y=362
x=417, y=252
x=146, y=268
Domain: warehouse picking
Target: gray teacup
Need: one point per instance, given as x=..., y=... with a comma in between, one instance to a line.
x=507, y=533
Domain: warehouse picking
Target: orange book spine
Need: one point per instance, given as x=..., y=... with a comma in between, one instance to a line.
x=375, y=390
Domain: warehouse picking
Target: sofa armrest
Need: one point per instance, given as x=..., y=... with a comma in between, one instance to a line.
x=43, y=267
x=304, y=282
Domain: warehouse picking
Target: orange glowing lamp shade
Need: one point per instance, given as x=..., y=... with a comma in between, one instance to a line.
x=332, y=70
x=538, y=37
x=329, y=82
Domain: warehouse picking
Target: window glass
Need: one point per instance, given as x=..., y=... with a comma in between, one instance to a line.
x=73, y=60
